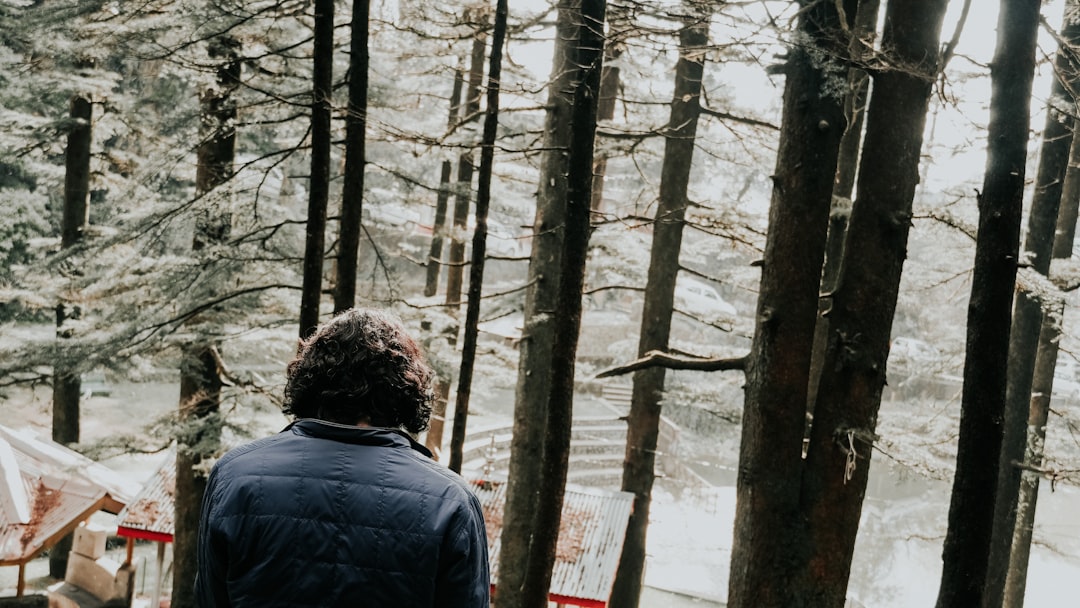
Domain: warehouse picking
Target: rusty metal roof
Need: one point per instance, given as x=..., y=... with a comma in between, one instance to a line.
x=590, y=538
x=150, y=513
x=42, y=496
x=52, y=458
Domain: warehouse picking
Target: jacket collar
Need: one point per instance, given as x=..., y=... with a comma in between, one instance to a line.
x=360, y=435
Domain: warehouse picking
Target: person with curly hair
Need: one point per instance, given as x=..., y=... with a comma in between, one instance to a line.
x=343, y=507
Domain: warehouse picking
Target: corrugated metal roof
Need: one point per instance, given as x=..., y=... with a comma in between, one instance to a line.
x=62, y=461
x=590, y=542
x=152, y=508
x=60, y=488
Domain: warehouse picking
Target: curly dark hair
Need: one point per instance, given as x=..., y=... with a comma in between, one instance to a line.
x=361, y=366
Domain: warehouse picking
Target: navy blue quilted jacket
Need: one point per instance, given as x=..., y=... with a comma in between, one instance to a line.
x=324, y=514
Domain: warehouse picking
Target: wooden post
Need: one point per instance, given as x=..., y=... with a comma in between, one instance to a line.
x=155, y=600
x=21, y=585
x=130, y=550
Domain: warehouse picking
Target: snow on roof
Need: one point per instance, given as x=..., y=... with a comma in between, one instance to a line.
x=53, y=458
x=590, y=541
x=57, y=507
x=150, y=514
x=14, y=503
x=46, y=490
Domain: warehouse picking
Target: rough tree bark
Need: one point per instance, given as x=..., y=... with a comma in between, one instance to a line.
x=967, y=541
x=200, y=374
x=535, y=354
x=1028, y=315
x=861, y=47
x=539, y=449
x=588, y=66
x=435, y=253
x=352, y=195
x=618, y=27
x=319, y=182
x=858, y=88
x=1046, y=360
x=778, y=367
x=67, y=385
x=479, y=242
x=643, y=424
x=864, y=301
x=463, y=192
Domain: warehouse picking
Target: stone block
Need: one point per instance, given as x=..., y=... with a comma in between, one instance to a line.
x=90, y=541
x=103, y=578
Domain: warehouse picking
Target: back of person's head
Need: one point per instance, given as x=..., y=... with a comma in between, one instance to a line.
x=361, y=367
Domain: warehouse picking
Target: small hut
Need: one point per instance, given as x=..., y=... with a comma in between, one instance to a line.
x=46, y=491
x=149, y=516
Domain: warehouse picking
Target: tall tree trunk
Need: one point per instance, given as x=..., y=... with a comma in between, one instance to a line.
x=352, y=195
x=864, y=301
x=1015, y=584
x=643, y=424
x=434, y=261
x=858, y=88
x=67, y=384
x=542, y=406
x=319, y=183
x=1027, y=319
x=778, y=367
x=1042, y=385
x=200, y=374
x=967, y=542
x=479, y=242
x=463, y=193
x=618, y=27
x=588, y=65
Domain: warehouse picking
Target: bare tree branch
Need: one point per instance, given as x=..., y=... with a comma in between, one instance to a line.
x=656, y=358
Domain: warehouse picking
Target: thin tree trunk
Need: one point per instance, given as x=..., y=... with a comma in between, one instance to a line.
x=1043, y=379
x=967, y=541
x=434, y=261
x=861, y=47
x=523, y=561
x=352, y=195
x=463, y=193
x=479, y=243
x=778, y=367
x=1027, y=320
x=588, y=65
x=77, y=172
x=643, y=424
x=846, y=165
x=1015, y=584
x=200, y=377
x=319, y=183
x=1069, y=209
x=864, y=302
x=67, y=384
x=618, y=27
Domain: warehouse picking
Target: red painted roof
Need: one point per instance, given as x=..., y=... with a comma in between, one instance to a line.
x=150, y=514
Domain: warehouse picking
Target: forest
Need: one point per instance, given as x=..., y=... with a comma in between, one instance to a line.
x=830, y=241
